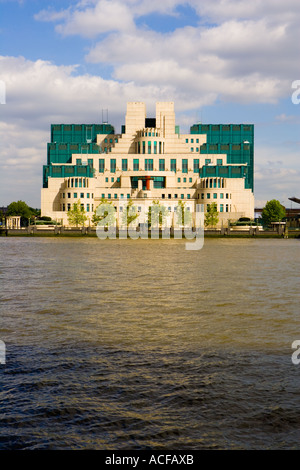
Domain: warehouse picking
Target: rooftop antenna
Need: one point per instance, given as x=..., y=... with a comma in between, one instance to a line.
x=199, y=120
x=104, y=111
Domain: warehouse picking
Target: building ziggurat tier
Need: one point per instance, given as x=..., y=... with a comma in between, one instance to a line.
x=148, y=161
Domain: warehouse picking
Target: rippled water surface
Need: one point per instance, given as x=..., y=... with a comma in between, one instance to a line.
x=142, y=344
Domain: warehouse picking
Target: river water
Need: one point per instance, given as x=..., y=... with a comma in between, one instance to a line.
x=142, y=344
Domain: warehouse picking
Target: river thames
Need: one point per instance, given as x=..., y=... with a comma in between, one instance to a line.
x=142, y=344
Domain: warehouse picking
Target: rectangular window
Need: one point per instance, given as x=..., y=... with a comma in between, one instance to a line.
x=64, y=207
x=175, y=196
x=184, y=165
x=78, y=161
x=189, y=196
x=221, y=207
x=81, y=195
x=128, y=196
x=155, y=147
x=115, y=196
x=161, y=164
x=69, y=207
x=101, y=165
x=69, y=195
x=149, y=147
x=226, y=207
x=202, y=195
x=186, y=141
x=207, y=161
x=208, y=196
x=135, y=164
x=112, y=165
x=75, y=195
x=178, y=180
x=109, y=196
x=184, y=180
x=144, y=147
x=106, y=180
x=196, y=165
x=192, y=149
x=112, y=180
x=182, y=196
x=124, y=164
x=190, y=180
x=215, y=195
x=149, y=164
x=88, y=195
x=221, y=195
x=173, y=164
x=219, y=161
x=103, y=196
x=88, y=208
x=192, y=141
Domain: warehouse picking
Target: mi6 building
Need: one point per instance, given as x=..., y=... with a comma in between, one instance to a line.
x=150, y=160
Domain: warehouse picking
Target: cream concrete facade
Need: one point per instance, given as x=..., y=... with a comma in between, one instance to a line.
x=147, y=164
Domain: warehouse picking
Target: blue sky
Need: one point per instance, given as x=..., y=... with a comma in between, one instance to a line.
x=226, y=61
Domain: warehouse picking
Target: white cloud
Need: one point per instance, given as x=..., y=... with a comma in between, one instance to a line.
x=276, y=173
x=222, y=10
x=247, y=55
x=96, y=18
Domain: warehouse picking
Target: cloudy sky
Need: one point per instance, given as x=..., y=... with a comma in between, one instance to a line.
x=221, y=61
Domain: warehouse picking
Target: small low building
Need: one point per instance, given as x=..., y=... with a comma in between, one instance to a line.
x=13, y=222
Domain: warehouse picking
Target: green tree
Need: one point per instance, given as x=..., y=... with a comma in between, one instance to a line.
x=35, y=212
x=20, y=208
x=272, y=212
x=76, y=215
x=130, y=214
x=157, y=215
x=104, y=213
x=211, y=216
x=183, y=215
